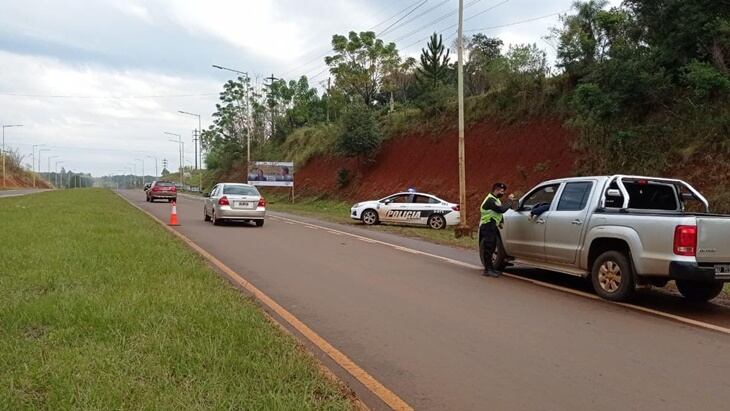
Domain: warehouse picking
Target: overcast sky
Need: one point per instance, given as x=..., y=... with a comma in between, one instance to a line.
x=99, y=81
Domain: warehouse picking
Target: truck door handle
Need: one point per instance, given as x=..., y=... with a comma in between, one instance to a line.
x=576, y=222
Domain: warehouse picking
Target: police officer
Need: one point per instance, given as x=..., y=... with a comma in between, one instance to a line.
x=492, y=210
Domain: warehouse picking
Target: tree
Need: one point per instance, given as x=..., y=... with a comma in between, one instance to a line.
x=485, y=65
x=360, y=136
x=434, y=67
x=360, y=62
x=683, y=31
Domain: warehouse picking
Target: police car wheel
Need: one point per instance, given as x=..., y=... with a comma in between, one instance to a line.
x=369, y=217
x=437, y=222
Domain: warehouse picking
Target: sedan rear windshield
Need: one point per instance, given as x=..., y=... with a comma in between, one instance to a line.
x=240, y=190
x=164, y=184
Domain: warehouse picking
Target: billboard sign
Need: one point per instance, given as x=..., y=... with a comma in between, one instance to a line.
x=271, y=174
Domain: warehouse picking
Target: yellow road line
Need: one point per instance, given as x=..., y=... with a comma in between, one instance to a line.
x=678, y=318
x=382, y=392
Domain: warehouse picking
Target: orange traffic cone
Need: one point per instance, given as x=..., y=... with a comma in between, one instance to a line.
x=173, y=215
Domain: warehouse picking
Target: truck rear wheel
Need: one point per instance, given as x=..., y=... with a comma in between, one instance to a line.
x=613, y=277
x=699, y=291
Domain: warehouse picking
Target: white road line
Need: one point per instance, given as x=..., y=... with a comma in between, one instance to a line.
x=685, y=320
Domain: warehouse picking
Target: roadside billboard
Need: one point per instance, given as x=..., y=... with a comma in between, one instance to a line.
x=271, y=174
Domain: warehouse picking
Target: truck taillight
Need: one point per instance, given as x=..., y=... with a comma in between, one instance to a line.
x=685, y=240
x=457, y=207
x=224, y=201
x=262, y=202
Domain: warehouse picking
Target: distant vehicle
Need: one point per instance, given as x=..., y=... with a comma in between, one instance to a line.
x=411, y=208
x=162, y=190
x=621, y=232
x=147, y=186
x=234, y=201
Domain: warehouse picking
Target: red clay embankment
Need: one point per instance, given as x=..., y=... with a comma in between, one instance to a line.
x=519, y=155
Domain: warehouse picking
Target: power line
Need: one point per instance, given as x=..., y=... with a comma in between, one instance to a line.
x=494, y=6
x=517, y=22
x=318, y=57
x=423, y=13
x=436, y=21
x=400, y=19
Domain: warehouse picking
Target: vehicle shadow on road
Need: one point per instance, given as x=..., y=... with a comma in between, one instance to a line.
x=661, y=299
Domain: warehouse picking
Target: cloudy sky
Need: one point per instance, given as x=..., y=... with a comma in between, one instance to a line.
x=100, y=81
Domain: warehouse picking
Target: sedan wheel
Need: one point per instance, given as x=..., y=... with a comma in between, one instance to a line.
x=369, y=217
x=205, y=215
x=214, y=219
x=437, y=222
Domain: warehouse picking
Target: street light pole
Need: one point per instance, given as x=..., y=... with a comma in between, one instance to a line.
x=195, y=140
x=181, y=148
x=55, y=170
x=39, y=158
x=33, y=159
x=3, y=150
x=49, y=164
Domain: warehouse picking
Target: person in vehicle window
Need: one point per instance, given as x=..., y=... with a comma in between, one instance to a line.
x=492, y=211
x=538, y=210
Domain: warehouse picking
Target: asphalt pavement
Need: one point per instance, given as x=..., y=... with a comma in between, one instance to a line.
x=20, y=192
x=443, y=337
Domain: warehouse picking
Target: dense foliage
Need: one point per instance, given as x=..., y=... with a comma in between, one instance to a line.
x=646, y=85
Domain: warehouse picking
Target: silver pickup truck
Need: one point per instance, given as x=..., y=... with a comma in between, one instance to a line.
x=622, y=232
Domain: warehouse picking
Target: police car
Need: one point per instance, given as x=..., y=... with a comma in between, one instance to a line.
x=410, y=208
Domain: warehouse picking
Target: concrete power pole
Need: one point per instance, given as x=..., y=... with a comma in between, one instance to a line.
x=271, y=85
x=463, y=228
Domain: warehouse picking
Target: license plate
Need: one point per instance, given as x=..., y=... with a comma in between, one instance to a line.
x=243, y=204
x=722, y=269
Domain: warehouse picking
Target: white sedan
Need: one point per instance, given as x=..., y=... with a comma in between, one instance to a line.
x=408, y=208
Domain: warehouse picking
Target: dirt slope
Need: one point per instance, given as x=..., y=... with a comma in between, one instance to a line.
x=520, y=155
x=22, y=179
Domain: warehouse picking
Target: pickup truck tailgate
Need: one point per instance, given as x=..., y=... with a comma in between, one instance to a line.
x=713, y=239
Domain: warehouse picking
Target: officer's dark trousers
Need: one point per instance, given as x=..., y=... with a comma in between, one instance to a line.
x=488, y=234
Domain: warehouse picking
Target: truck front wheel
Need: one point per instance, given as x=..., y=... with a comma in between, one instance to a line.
x=613, y=277
x=699, y=291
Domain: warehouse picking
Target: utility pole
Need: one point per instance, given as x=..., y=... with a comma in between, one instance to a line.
x=272, y=103
x=329, y=80
x=463, y=229
x=249, y=127
x=196, y=136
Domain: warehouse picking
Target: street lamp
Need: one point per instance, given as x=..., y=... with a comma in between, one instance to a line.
x=248, y=116
x=195, y=139
x=142, y=161
x=56, y=171
x=49, y=164
x=42, y=150
x=181, y=148
x=3, y=150
x=33, y=158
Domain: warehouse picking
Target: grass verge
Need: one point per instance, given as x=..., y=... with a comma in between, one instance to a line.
x=103, y=309
x=339, y=212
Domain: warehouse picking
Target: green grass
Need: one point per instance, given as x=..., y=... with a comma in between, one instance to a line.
x=339, y=212
x=103, y=309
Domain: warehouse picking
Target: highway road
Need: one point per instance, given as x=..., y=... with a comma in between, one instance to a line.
x=20, y=192
x=443, y=337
